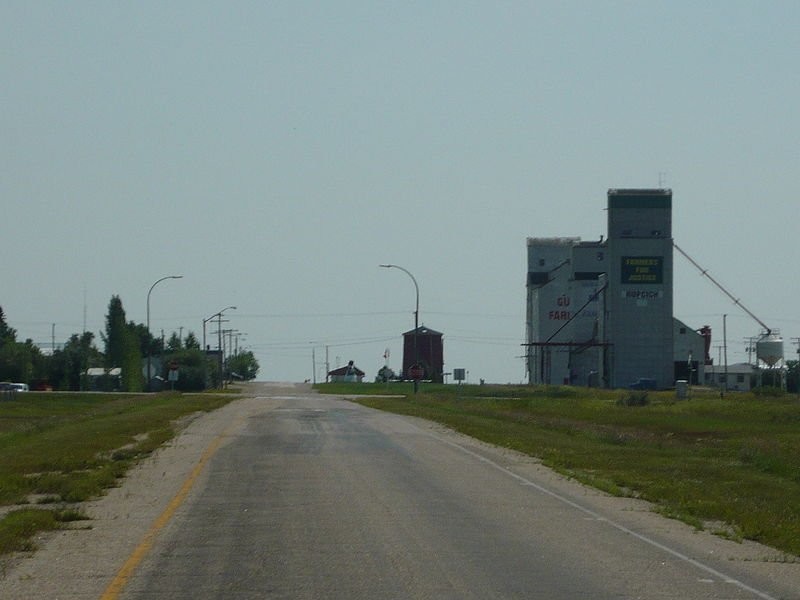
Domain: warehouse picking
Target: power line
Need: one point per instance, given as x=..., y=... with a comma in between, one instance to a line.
x=317, y=315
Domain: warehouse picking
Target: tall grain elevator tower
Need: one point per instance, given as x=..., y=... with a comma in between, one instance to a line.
x=548, y=307
x=562, y=310
x=638, y=299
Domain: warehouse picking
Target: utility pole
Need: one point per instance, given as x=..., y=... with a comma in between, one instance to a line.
x=725, y=347
x=796, y=369
x=313, y=366
x=751, y=346
x=220, y=350
x=218, y=316
x=230, y=341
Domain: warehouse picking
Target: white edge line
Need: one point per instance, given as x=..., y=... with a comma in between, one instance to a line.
x=599, y=517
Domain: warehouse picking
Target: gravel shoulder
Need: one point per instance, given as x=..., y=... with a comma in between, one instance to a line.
x=80, y=562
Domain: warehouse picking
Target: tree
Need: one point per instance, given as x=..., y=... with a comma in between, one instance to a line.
x=191, y=342
x=123, y=346
x=145, y=340
x=243, y=366
x=115, y=334
x=174, y=343
x=68, y=365
x=16, y=359
x=41, y=364
x=193, y=369
x=7, y=334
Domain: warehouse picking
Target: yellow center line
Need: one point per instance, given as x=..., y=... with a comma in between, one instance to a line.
x=126, y=572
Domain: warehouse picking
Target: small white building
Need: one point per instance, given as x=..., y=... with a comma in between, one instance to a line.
x=736, y=377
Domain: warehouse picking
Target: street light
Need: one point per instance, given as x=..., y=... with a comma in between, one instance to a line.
x=149, y=377
x=218, y=316
x=215, y=315
x=416, y=320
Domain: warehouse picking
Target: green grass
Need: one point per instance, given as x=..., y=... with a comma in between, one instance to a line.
x=18, y=527
x=68, y=448
x=734, y=460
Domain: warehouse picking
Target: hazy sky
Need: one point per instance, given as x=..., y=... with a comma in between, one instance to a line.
x=275, y=153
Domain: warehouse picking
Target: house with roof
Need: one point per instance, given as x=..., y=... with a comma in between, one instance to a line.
x=690, y=352
x=99, y=379
x=347, y=374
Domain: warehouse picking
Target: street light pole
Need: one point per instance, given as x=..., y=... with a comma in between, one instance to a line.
x=216, y=315
x=416, y=320
x=149, y=378
x=221, y=351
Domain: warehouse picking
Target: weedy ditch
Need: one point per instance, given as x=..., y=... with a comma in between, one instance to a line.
x=59, y=450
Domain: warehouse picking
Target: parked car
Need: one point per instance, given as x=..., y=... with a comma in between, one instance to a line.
x=19, y=387
x=643, y=384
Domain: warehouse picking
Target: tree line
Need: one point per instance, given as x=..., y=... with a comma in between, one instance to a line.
x=126, y=346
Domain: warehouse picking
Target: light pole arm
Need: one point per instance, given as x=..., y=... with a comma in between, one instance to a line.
x=416, y=320
x=148, y=321
x=218, y=316
x=416, y=288
x=214, y=316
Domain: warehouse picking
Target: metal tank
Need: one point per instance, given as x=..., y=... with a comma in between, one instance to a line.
x=769, y=348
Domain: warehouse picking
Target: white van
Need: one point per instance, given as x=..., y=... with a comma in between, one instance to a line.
x=19, y=387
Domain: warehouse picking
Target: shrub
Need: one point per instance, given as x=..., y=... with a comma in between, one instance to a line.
x=769, y=391
x=634, y=398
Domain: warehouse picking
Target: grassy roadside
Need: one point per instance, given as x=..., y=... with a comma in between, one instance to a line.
x=57, y=450
x=731, y=465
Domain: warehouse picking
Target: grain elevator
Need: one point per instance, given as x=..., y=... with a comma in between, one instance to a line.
x=600, y=312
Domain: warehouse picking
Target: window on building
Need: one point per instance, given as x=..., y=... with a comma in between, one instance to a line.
x=682, y=331
x=740, y=378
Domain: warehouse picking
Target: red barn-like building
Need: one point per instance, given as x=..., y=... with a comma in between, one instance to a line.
x=427, y=345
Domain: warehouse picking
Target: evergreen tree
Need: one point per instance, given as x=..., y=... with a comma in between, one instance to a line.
x=16, y=362
x=123, y=346
x=174, y=343
x=191, y=342
x=115, y=334
x=7, y=334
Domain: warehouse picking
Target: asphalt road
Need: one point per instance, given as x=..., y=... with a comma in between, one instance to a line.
x=288, y=494
x=317, y=497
